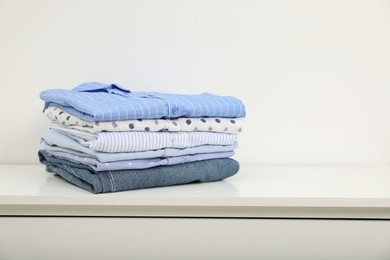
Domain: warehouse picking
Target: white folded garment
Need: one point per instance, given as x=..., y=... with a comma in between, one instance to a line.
x=118, y=142
x=208, y=124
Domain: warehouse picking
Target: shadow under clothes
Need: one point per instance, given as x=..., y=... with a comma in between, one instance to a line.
x=122, y=180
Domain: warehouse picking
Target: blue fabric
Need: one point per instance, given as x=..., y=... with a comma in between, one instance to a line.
x=95, y=101
x=97, y=166
x=138, y=141
x=113, y=181
x=55, y=141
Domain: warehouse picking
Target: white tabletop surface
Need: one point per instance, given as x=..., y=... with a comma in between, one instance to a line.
x=254, y=191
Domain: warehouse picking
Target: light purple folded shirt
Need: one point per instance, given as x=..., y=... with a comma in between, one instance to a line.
x=138, y=163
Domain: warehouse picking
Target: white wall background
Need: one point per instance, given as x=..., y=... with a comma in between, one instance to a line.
x=315, y=75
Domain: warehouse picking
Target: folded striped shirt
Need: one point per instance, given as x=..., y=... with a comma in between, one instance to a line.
x=55, y=141
x=95, y=101
x=210, y=124
x=139, y=163
x=118, y=142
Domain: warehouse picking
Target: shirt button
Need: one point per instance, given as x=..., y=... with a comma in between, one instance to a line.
x=174, y=110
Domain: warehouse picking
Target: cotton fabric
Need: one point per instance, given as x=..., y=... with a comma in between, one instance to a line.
x=55, y=141
x=221, y=125
x=118, y=142
x=105, y=138
x=93, y=101
x=97, y=166
x=113, y=181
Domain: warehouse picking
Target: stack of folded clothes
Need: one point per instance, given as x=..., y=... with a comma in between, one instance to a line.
x=104, y=138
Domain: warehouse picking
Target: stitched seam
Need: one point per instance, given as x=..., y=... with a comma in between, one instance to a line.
x=72, y=171
x=112, y=181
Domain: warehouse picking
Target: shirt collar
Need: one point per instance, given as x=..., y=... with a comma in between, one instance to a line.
x=100, y=87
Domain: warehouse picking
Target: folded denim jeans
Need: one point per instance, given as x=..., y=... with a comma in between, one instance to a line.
x=122, y=180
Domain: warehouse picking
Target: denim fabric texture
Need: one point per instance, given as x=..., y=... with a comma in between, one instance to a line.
x=123, y=180
x=105, y=138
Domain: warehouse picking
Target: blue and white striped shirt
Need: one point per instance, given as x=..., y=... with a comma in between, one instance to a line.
x=101, y=102
x=119, y=142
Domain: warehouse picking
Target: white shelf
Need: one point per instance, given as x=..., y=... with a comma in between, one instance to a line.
x=286, y=192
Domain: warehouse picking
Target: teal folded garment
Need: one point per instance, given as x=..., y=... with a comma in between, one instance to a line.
x=122, y=180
